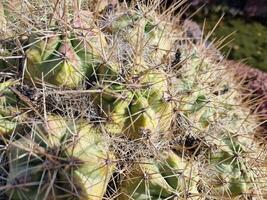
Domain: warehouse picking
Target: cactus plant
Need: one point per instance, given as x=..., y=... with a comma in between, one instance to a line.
x=129, y=108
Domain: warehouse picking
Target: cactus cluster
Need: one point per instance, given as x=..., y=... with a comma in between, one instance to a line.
x=55, y=163
x=114, y=101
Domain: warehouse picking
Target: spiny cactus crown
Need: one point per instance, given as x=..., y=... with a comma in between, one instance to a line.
x=116, y=102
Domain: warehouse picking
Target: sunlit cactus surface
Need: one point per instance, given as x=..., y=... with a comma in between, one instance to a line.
x=114, y=100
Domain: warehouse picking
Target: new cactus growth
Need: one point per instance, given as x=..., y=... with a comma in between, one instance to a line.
x=126, y=107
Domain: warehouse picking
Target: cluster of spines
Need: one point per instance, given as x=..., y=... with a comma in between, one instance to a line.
x=124, y=68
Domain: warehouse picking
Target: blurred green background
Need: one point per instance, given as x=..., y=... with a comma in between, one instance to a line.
x=245, y=20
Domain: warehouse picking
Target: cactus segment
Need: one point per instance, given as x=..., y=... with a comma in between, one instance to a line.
x=145, y=182
x=141, y=108
x=64, y=61
x=180, y=174
x=82, y=167
x=155, y=84
x=26, y=171
x=199, y=110
x=230, y=177
x=171, y=176
x=108, y=73
x=95, y=164
x=133, y=112
x=59, y=66
x=141, y=117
